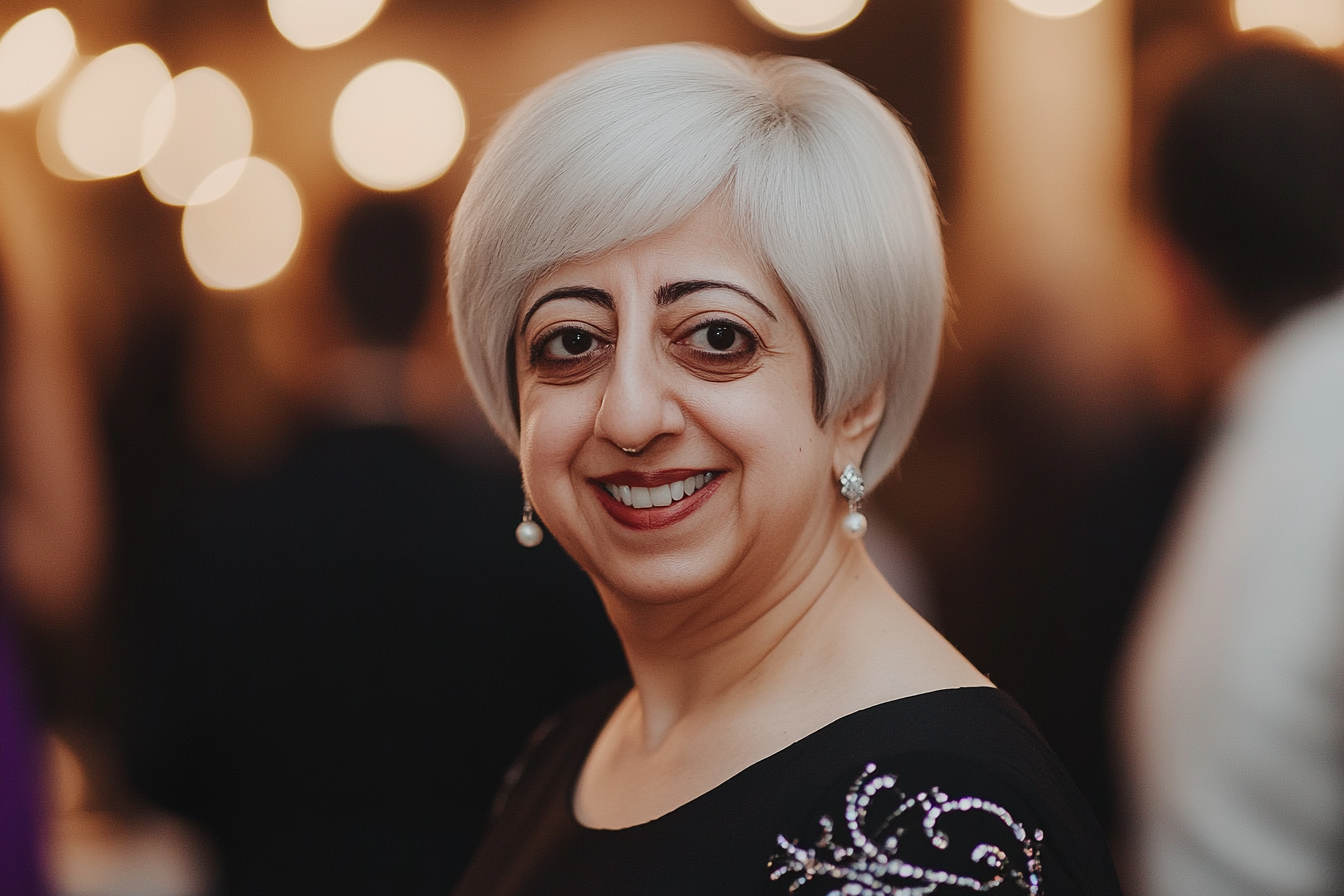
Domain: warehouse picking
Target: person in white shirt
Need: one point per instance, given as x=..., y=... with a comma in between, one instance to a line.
x=1232, y=689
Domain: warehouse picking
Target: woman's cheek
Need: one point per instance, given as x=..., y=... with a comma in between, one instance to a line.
x=555, y=424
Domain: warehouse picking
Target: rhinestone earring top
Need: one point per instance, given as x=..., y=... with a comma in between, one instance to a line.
x=855, y=524
x=528, y=533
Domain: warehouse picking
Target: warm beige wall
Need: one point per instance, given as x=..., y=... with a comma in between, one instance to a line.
x=1043, y=253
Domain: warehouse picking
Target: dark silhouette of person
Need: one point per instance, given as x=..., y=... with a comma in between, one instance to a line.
x=356, y=645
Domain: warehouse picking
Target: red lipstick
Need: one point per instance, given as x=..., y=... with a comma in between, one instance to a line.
x=648, y=518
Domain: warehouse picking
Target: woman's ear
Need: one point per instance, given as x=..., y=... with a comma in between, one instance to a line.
x=855, y=429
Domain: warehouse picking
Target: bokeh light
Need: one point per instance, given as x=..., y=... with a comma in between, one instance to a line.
x=34, y=53
x=313, y=24
x=1319, y=21
x=1055, y=9
x=806, y=18
x=48, y=142
x=114, y=116
x=212, y=126
x=397, y=125
x=247, y=235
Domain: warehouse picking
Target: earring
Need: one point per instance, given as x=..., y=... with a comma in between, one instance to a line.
x=528, y=532
x=855, y=524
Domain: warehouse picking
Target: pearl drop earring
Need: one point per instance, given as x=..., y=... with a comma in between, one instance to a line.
x=528, y=533
x=855, y=524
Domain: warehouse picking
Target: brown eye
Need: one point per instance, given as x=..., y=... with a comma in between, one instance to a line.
x=719, y=349
x=567, y=352
x=569, y=344
x=721, y=337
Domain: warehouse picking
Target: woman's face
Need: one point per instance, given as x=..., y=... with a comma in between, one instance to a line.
x=687, y=349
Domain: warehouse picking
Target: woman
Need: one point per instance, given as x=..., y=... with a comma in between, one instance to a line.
x=701, y=296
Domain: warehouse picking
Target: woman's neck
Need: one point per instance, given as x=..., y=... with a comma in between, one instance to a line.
x=723, y=647
x=715, y=693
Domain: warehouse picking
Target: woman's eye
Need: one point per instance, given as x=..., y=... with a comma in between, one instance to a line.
x=721, y=337
x=719, y=349
x=568, y=352
x=569, y=344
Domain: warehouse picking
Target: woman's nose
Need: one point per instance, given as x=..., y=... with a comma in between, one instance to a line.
x=639, y=404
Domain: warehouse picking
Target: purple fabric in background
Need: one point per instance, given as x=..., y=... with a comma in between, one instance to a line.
x=20, y=867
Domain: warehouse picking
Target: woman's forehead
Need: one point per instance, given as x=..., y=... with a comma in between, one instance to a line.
x=706, y=244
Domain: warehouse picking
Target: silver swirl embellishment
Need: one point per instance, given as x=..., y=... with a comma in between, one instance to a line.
x=870, y=862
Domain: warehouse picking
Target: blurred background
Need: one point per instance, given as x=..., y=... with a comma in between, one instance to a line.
x=172, y=179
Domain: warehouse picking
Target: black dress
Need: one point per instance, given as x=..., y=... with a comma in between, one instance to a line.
x=942, y=793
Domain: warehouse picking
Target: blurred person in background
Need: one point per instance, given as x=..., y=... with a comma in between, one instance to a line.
x=1232, y=694
x=354, y=648
x=52, y=538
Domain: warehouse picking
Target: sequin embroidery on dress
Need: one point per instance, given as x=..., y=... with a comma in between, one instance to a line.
x=880, y=858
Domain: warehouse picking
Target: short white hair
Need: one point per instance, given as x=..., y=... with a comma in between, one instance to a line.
x=820, y=177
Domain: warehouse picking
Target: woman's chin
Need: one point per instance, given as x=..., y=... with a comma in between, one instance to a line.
x=662, y=574
x=718, y=572
x=657, y=590
x=652, y=557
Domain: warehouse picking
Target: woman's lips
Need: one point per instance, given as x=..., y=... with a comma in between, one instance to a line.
x=655, y=500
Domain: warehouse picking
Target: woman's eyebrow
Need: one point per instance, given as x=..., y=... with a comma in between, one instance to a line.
x=587, y=293
x=670, y=292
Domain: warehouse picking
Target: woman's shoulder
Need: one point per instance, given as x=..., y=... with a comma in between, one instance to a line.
x=982, y=725
x=952, y=788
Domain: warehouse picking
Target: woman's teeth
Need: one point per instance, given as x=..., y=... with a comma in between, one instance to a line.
x=659, y=495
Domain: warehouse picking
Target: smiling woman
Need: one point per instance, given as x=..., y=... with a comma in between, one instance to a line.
x=682, y=347
x=701, y=295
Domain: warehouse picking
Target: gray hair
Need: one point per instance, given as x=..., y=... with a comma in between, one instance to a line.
x=820, y=178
